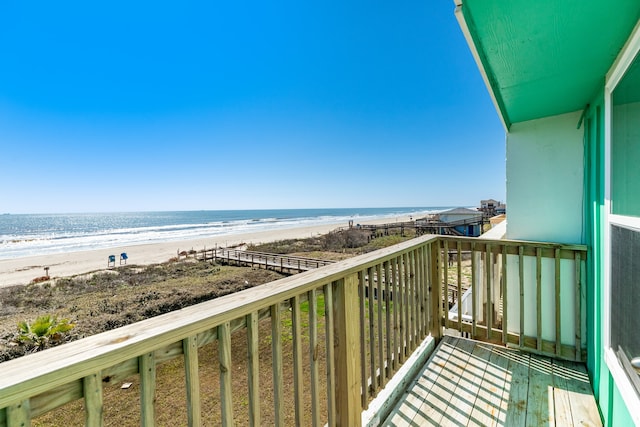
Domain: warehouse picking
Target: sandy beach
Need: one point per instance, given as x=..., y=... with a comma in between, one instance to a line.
x=21, y=271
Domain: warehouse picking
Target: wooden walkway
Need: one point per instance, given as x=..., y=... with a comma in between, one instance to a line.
x=469, y=383
x=282, y=263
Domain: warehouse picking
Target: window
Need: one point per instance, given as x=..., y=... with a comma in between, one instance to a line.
x=625, y=297
x=625, y=144
x=622, y=258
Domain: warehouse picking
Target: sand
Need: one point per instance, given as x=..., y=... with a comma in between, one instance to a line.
x=21, y=271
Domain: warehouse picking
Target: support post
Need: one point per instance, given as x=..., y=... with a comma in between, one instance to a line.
x=347, y=351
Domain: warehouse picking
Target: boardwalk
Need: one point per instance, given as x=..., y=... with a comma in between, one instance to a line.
x=469, y=383
x=282, y=263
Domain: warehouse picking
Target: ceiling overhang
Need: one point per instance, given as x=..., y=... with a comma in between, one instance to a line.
x=544, y=58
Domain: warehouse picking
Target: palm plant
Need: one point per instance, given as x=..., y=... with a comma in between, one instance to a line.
x=44, y=330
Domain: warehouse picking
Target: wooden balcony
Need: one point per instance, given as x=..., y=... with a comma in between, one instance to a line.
x=343, y=340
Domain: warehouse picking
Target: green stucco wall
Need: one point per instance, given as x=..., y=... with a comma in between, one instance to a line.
x=612, y=406
x=593, y=231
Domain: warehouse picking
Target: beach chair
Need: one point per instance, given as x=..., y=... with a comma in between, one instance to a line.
x=111, y=262
x=123, y=257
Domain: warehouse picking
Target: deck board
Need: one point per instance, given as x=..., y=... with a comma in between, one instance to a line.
x=489, y=409
x=516, y=394
x=540, y=398
x=490, y=378
x=583, y=411
x=470, y=383
x=561, y=396
x=461, y=398
x=423, y=386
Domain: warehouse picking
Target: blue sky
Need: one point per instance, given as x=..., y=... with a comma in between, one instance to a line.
x=127, y=106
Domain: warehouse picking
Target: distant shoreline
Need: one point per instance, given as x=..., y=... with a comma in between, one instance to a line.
x=21, y=271
x=27, y=235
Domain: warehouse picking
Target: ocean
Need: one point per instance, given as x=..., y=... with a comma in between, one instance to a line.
x=40, y=234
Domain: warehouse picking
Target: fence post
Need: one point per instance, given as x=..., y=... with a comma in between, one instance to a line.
x=347, y=351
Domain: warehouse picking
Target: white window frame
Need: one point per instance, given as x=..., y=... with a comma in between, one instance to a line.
x=617, y=71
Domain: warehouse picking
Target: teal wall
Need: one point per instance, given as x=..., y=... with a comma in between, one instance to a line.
x=594, y=217
x=612, y=407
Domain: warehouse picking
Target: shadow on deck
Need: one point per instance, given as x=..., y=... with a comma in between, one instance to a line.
x=470, y=383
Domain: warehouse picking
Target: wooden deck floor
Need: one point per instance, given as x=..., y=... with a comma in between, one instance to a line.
x=470, y=383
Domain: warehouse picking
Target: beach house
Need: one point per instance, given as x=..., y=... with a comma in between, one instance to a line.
x=551, y=336
x=465, y=222
x=492, y=207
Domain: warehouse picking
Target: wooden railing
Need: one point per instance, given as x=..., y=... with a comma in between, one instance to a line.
x=524, y=294
x=333, y=338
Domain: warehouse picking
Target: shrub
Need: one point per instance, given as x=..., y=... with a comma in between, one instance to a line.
x=351, y=238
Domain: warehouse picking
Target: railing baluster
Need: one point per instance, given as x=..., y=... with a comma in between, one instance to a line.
x=19, y=415
x=426, y=285
x=420, y=331
x=539, y=298
x=298, y=389
x=578, y=305
x=418, y=281
x=406, y=280
x=557, y=303
x=459, y=287
x=436, y=286
x=363, y=334
x=381, y=334
x=488, y=273
x=399, y=279
x=521, y=281
x=253, y=367
x=147, y=367
x=372, y=337
x=424, y=302
x=413, y=299
x=92, y=386
x=445, y=268
x=331, y=365
x=313, y=357
x=409, y=303
x=224, y=359
x=192, y=379
x=276, y=350
x=429, y=288
x=505, y=299
x=388, y=313
x=394, y=313
x=474, y=291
